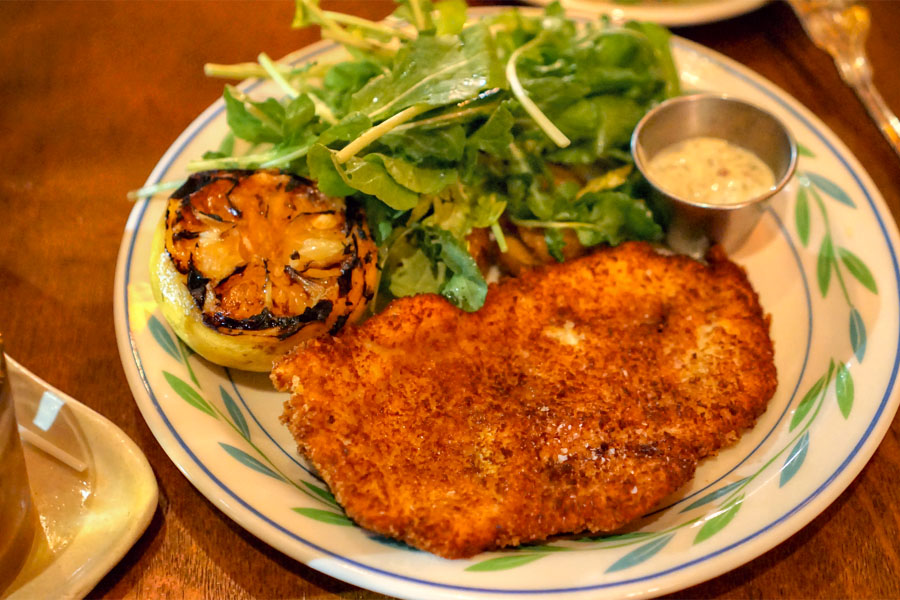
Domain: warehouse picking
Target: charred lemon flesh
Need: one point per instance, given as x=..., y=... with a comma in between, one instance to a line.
x=249, y=263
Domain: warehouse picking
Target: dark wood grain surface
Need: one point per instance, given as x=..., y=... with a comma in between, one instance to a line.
x=92, y=94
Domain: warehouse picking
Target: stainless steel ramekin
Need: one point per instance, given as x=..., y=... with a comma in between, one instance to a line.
x=719, y=116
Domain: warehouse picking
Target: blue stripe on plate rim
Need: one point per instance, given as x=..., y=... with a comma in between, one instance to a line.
x=728, y=65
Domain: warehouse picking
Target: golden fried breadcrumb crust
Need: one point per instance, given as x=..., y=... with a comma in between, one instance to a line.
x=578, y=397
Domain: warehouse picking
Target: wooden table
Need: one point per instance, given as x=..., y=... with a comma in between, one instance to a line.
x=92, y=94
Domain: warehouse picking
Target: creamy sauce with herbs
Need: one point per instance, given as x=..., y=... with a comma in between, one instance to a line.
x=711, y=171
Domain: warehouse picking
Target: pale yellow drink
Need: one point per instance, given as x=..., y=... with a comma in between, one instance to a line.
x=17, y=520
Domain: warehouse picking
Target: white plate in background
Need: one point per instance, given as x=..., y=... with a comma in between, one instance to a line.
x=672, y=13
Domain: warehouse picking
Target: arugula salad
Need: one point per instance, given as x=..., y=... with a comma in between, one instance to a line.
x=440, y=126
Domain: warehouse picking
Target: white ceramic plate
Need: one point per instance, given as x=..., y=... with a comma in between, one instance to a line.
x=835, y=326
x=89, y=518
x=666, y=12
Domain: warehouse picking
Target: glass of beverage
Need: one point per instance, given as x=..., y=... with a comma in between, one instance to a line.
x=17, y=518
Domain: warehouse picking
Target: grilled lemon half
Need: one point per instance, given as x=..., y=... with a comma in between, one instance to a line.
x=246, y=264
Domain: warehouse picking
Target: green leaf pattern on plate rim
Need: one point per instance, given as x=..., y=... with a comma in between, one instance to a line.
x=832, y=261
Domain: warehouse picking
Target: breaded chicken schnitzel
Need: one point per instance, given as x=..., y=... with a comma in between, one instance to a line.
x=578, y=397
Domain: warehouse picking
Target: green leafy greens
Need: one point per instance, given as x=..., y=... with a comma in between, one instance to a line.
x=439, y=126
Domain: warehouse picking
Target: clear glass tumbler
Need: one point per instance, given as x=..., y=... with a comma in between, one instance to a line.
x=17, y=518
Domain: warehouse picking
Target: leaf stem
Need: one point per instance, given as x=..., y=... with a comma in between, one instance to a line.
x=498, y=235
x=325, y=20
x=253, y=110
x=231, y=162
x=347, y=39
x=449, y=116
x=152, y=190
x=351, y=149
x=555, y=224
x=321, y=108
x=519, y=157
x=552, y=131
x=271, y=70
x=418, y=16
x=354, y=21
x=421, y=83
x=243, y=70
x=286, y=158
